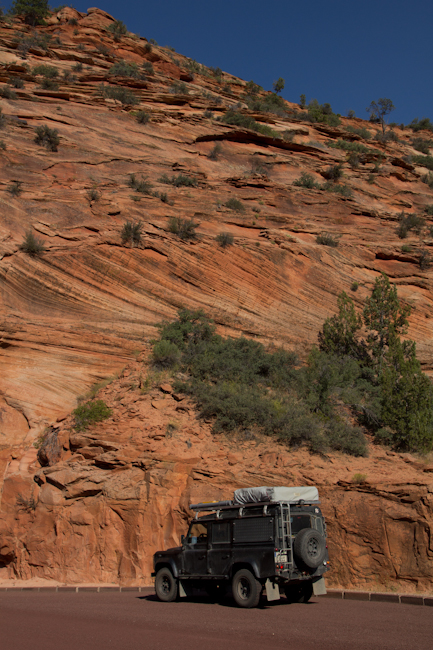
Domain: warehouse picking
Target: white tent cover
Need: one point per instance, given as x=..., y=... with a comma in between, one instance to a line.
x=309, y=494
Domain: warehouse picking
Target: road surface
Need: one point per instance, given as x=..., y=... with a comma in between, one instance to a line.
x=137, y=621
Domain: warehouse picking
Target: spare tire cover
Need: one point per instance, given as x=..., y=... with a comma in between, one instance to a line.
x=309, y=548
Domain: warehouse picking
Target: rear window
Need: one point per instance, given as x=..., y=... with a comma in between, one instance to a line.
x=298, y=522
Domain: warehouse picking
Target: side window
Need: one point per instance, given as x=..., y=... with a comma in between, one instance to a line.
x=197, y=533
x=221, y=532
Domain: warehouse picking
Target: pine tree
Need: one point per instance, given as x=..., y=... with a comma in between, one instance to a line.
x=33, y=11
x=383, y=317
x=338, y=335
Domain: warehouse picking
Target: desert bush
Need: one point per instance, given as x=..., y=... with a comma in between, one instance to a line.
x=270, y=103
x=33, y=11
x=408, y=222
x=2, y=144
x=143, y=117
x=425, y=260
x=93, y=194
x=179, y=88
x=3, y=120
x=47, y=71
x=165, y=354
x=7, y=93
x=428, y=180
x=326, y=239
x=355, y=147
x=354, y=160
x=78, y=67
x=131, y=232
x=16, y=82
x=123, y=95
x=259, y=166
x=140, y=185
x=421, y=125
x=225, y=239
x=125, y=69
x=215, y=152
x=307, y=180
x=428, y=209
x=406, y=248
x=87, y=414
x=244, y=121
x=424, y=161
x=32, y=245
x=343, y=190
x=235, y=205
x=333, y=172
x=354, y=286
x=148, y=67
x=388, y=136
x=359, y=478
x=49, y=84
x=73, y=22
x=46, y=137
x=117, y=29
x=183, y=228
x=181, y=180
x=361, y=131
x=422, y=145
x=15, y=188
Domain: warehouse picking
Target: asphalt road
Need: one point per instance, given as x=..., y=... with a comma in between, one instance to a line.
x=137, y=621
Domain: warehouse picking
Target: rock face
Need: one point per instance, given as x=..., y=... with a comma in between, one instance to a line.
x=95, y=505
x=83, y=310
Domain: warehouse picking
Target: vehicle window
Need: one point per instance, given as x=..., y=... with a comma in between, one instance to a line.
x=298, y=522
x=318, y=524
x=220, y=532
x=197, y=533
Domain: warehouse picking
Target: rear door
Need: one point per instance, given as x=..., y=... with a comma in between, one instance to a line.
x=219, y=556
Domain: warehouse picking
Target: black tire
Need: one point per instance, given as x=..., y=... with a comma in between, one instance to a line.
x=309, y=548
x=166, y=586
x=246, y=589
x=299, y=593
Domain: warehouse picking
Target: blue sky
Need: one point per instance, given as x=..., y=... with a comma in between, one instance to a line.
x=345, y=53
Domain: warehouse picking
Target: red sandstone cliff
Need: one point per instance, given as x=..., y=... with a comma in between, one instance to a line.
x=86, y=307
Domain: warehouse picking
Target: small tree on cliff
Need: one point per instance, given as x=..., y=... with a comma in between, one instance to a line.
x=33, y=11
x=338, y=335
x=278, y=85
x=378, y=110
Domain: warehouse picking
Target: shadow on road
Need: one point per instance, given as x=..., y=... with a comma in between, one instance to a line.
x=226, y=601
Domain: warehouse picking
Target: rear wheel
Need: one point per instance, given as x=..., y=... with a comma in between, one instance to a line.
x=299, y=593
x=246, y=589
x=166, y=585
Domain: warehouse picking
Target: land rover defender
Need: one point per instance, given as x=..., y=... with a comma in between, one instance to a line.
x=265, y=537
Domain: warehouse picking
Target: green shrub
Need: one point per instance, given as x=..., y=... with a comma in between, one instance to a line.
x=33, y=11
x=183, y=228
x=15, y=188
x=321, y=113
x=93, y=194
x=123, y=95
x=46, y=137
x=421, y=125
x=32, y=245
x=334, y=172
x=359, y=478
x=87, y=414
x=235, y=205
x=422, y=145
x=216, y=151
x=350, y=440
x=47, y=71
x=179, y=88
x=148, y=67
x=78, y=67
x=3, y=120
x=408, y=222
x=354, y=160
x=406, y=248
x=361, y=131
x=124, y=69
x=306, y=180
x=387, y=136
x=355, y=147
x=428, y=180
x=326, y=239
x=429, y=209
x=117, y=29
x=165, y=354
x=181, y=180
x=16, y=82
x=302, y=101
x=225, y=239
x=49, y=84
x=424, y=161
x=354, y=286
x=2, y=144
x=270, y=103
x=7, y=93
x=73, y=22
x=140, y=185
x=131, y=232
x=143, y=117
x=244, y=121
x=425, y=260
x=343, y=190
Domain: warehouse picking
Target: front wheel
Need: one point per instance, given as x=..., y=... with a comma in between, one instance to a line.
x=299, y=593
x=246, y=589
x=166, y=585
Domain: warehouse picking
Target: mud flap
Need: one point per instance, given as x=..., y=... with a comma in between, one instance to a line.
x=319, y=587
x=272, y=590
x=182, y=592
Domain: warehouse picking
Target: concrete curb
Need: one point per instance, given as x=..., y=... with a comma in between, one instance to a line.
x=380, y=597
x=341, y=594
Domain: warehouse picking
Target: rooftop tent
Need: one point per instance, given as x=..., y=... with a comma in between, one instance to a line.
x=309, y=494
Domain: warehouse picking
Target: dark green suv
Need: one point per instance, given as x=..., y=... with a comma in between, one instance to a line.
x=272, y=538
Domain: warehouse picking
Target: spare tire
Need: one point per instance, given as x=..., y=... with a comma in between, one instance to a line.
x=309, y=548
